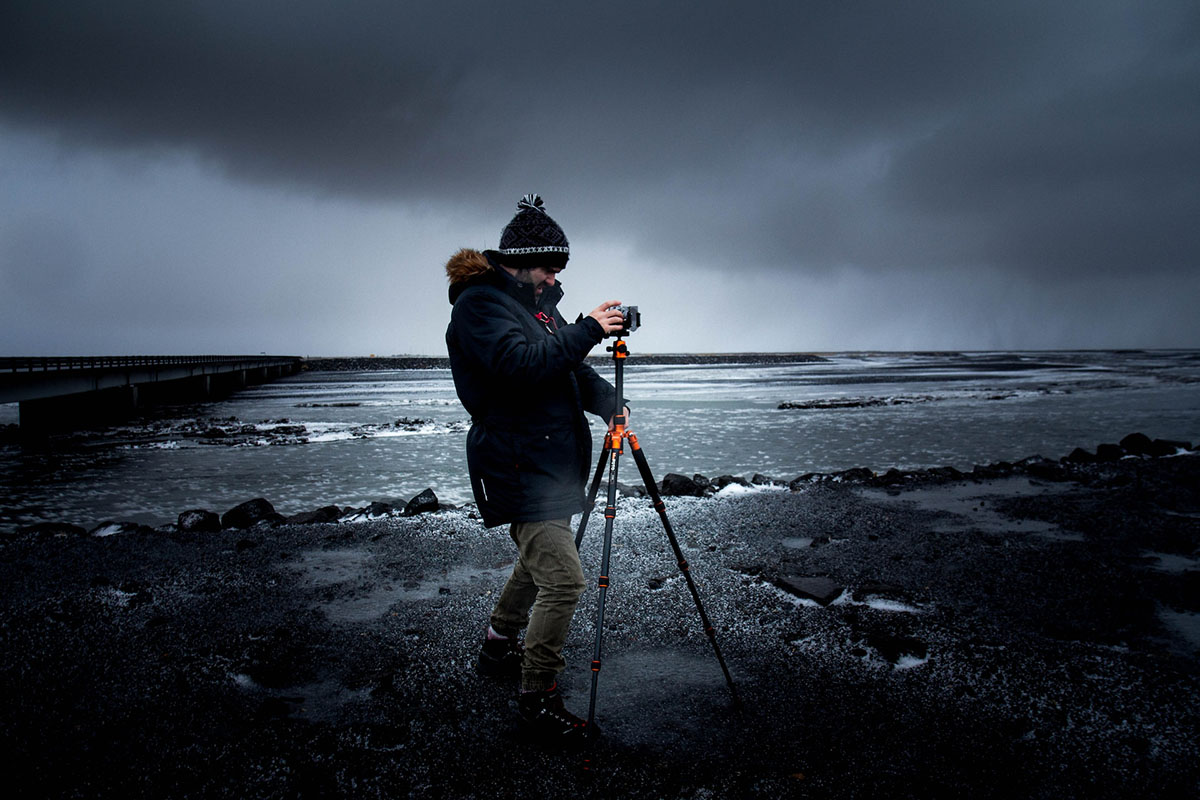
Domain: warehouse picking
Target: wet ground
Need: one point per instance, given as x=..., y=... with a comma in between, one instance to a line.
x=1011, y=637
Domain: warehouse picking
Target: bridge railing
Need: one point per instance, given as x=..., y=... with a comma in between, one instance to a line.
x=57, y=363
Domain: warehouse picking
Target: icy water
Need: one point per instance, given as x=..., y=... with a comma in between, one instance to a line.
x=349, y=439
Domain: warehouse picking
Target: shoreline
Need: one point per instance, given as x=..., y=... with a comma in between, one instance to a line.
x=1001, y=634
x=1081, y=466
x=377, y=363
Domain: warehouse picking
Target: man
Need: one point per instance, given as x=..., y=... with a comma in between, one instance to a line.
x=518, y=370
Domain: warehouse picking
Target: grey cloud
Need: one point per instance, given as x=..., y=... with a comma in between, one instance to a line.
x=1019, y=135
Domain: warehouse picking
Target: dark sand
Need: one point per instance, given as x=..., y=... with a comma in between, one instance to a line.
x=1013, y=637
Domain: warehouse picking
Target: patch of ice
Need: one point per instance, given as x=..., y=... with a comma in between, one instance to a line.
x=243, y=681
x=1170, y=562
x=882, y=604
x=738, y=490
x=908, y=662
x=1184, y=624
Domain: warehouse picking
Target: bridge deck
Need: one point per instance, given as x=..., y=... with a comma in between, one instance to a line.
x=36, y=378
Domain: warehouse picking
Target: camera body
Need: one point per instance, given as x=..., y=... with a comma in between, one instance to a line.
x=631, y=319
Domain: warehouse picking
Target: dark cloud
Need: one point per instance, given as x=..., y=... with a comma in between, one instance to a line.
x=1046, y=138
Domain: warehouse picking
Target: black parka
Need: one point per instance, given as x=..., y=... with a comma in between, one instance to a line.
x=524, y=383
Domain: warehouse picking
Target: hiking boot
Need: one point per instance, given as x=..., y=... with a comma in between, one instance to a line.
x=543, y=712
x=500, y=658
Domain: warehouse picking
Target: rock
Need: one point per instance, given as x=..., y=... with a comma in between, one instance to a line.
x=856, y=475
x=724, y=480
x=1080, y=456
x=1137, y=444
x=890, y=478
x=1167, y=447
x=702, y=481
x=758, y=479
x=822, y=590
x=379, y=509
x=50, y=529
x=675, y=485
x=287, y=430
x=1046, y=470
x=198, y=520
x=322, y=514
x=892, y=647
x=807, y=479
x=627, y=490
x=423, y=503
x=214, y=433
x=249, y=513
x=945, y=474
x=1110, y=452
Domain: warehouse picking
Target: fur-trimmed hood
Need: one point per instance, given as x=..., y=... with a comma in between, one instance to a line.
x=469, y=267
x=467, y=264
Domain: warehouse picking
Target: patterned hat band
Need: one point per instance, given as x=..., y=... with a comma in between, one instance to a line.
x=520, y=251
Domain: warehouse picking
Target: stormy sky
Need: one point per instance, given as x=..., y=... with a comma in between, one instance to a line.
x=290, y=177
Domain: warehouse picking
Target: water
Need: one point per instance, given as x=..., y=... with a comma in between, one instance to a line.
x=385, y=436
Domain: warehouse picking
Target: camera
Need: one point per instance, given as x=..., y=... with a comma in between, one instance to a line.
x=631, y=318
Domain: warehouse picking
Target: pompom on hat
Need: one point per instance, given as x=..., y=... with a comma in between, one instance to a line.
x=532, y=235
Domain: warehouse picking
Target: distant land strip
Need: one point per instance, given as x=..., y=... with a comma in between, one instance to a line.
x=369, y=363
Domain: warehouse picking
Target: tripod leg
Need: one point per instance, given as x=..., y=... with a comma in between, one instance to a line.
x=652, y=488
x=610, y=514
x=591, y=498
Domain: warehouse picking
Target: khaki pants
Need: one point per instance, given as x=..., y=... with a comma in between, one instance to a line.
x=547, y=580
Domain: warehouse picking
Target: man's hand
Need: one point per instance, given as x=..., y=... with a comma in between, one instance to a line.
x=625, y=411
x=609, y=318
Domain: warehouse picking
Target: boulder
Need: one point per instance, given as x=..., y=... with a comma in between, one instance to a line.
x=856, y=475
x=198, y=520
x=1167, y=447
x=249, y=513
x=675, y=485
x=379, y=509
x=806, y=479
x=701, y=480
x=890, y=478
x=1110, y=452
x=628, y=490
x=423, y=503
x=1137, y=444
x=758, y=479
x=1047, y=470
x=945, y=473
x=724, y=480
x=322, y=514
x=1080, y=456
x=822, y=590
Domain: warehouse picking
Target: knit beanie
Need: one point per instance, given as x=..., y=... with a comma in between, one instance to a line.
x=532, y=236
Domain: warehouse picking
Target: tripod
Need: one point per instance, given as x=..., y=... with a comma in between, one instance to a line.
x=612, y=453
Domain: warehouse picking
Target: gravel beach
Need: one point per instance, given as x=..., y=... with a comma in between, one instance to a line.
x=1032, y=633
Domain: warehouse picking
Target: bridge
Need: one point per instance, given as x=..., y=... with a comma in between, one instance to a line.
x=58, y=393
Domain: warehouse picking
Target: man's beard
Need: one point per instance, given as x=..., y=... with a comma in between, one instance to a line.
x=526, y=276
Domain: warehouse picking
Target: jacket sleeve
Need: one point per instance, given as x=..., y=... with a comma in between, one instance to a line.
x=487, y=330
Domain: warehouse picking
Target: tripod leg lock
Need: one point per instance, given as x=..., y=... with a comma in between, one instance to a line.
x=595, y=665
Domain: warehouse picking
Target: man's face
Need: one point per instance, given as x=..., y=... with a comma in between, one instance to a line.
x=540, y=277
